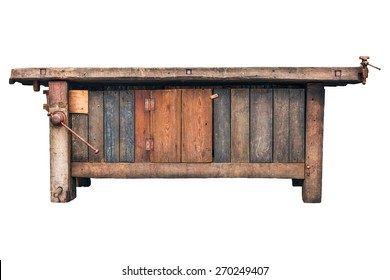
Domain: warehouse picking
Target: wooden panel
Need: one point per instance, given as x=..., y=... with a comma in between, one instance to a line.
x=312, y=185
x=240, y=125
x=111, y=125
x=261, y=125
x=96, y=124
x=221, y=125
x=196, y=125
x=188, y=170
x=142, y=126
x=80, y=125
x=281, y=125
x=78, y=101
x=126, y=134
x=166, y=126
x=297, y=125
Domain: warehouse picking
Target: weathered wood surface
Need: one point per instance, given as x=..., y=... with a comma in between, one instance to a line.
x=315, y=101
x=221, y=125
x=196, y=125
x=261, y=125
x=297, y=125
x=78, y=101
x=166, y=126
x=142, y=126
x=326, y=75
x=62, y=187
x=111, y=125
x=96, y=125
x=126, y=126
x=79, y=123
x=281, y=120
x=188, y=170
x=240, y=125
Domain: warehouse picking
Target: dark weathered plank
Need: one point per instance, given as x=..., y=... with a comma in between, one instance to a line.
x=221, y=125
x=142, y=126
x=96, y=124
x=297, y=125
x=80, y=125
x=240, y=125
x=126, y=124
x=281, y=125
x=166, y=126
x=261, y=125
x=196, y=125
x=111, y=125
x=188, y=170
x=312, y=185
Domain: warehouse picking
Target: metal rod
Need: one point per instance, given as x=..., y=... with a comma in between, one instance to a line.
x=374, y=66
x=81, y=138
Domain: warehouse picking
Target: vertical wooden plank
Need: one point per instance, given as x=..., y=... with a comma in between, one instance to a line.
x=240, y=125
x=111, y=125
x=221, y=125
x=196, y=125
x=79, y=149
x=96, y=124
x=126, y=134
x=142, y=126
x=261, y=128
x=281, y=125
x=166, y=126
x=62, y=186
x=297, y=125
x=315, y=101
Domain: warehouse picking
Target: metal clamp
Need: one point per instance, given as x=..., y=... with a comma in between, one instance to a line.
x=364, y=65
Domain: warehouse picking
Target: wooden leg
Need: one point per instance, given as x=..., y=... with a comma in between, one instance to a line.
x=83, y=182
x=62, y=186
x=312, y=185
x=297, y=182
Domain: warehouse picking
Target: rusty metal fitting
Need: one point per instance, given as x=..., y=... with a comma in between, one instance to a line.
x=57, y=118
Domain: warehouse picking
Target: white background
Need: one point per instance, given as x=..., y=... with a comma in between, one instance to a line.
x=209, y=222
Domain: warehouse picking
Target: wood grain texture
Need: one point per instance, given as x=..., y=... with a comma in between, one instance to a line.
x=111, y=125
x=261, y=125
x=126, y=124
x=315, y=101
x=62, y=186
x=96, y=125
x=80, y=125
x=78, y=101
x=188, y=170
x=221, y=125
x=142, y=126
x=196, y=125
x=281, y=124
x=166, y=126
x=297, y=125
x=240, y=125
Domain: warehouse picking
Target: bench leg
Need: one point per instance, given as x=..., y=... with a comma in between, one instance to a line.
x=62, y=185
x=297, y=182
x=312, y=185
x=83, y=182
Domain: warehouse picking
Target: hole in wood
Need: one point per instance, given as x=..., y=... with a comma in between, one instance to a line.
x=42, y=71
x=189, y=71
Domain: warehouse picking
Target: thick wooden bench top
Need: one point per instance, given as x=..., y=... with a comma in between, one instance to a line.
x=329, y=76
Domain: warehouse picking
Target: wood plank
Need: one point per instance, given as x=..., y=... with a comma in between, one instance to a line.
x=80, y=125
x=281, y=124
x=188, y=170
x=196, y=125
x=78, y=101
x=62, y=186
x=96, y=124
x=126, y=119
x=142, y=126
x=221, y=125
x=240, y=125
x=315, y=101
x=297, y=125
x=261, y=128
x=111, y=125
x=326, y=75
x=166, y=126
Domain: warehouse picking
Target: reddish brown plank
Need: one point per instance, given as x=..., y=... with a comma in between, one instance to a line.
x=166, y=126
x=142, y=126
x=196, y=125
